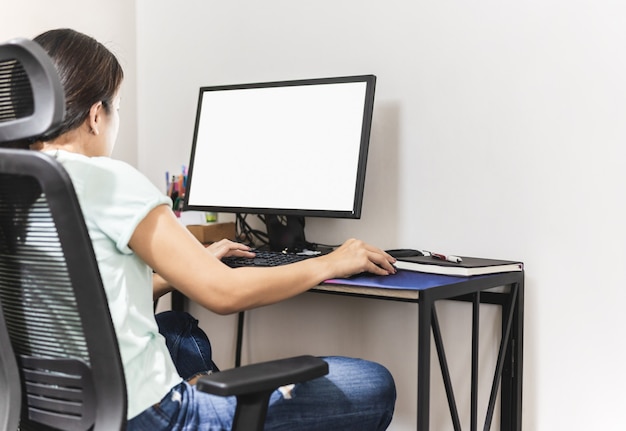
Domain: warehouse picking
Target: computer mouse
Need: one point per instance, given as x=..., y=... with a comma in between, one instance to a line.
x=404, y=252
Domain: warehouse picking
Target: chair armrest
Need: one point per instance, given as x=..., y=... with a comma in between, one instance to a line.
x=263, y=376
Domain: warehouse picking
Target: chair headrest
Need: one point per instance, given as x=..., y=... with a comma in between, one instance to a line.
x=32, y=101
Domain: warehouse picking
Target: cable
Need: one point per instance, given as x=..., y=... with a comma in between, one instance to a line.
x=247, y=234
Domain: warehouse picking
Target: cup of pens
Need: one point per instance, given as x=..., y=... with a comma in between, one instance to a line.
x=176, y=185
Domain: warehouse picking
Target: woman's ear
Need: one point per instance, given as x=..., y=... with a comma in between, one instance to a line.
x=95, y=118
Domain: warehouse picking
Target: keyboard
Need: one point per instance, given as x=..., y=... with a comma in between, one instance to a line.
x=266, y=258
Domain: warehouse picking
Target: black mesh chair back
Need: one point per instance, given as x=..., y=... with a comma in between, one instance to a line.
x=59, y=363
x=55, y=309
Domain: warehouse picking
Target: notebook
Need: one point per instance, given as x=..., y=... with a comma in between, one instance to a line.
x=467, y=267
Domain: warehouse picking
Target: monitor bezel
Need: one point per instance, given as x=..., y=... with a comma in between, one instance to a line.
x=368, y=107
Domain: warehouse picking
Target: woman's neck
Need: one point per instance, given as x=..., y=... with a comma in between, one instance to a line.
x=69, y=141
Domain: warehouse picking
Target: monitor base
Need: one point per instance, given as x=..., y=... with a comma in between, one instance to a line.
x=286, y=233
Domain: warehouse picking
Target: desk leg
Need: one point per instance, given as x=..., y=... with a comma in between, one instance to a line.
x=506, y=413
x=511, y=416
x=423, y=360
x=240, y=324
x=178, y=301
x=475, y=340
x=519, y=355
x=505, y=366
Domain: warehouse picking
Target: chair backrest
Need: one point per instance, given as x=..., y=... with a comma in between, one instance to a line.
x=53, y=306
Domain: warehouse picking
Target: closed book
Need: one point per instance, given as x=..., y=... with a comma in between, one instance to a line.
x=468, y=267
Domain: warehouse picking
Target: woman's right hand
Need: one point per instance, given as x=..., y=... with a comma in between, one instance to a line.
x=355, y=256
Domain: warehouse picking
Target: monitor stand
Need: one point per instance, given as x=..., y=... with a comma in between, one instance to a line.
x=285, y=233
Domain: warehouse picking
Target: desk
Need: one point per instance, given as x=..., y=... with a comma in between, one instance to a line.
x=505, y=290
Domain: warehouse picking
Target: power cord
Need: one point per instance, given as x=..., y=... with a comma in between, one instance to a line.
x=249, y=235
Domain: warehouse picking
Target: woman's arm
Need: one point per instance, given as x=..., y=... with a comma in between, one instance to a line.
x=177, y=256
x=222, y=248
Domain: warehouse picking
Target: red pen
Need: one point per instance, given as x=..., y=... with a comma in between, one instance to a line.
x=448, y=258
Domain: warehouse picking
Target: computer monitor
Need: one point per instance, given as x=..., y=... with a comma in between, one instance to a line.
x=286, y=150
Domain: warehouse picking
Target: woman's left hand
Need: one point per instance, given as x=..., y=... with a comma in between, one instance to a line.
x=226, y=247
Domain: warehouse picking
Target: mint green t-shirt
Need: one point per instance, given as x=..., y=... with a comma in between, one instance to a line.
x=114, y=198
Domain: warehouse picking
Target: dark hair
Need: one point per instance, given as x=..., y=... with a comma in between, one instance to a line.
x=89, y=73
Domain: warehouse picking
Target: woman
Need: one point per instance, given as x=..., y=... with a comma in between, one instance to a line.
x=135, y=233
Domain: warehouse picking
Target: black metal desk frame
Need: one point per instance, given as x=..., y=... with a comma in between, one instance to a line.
x=477, y=290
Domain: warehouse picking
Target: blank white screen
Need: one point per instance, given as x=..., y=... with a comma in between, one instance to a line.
x=291, y=147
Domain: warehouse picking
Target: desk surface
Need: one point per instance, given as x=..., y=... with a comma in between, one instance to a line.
x=407, y=285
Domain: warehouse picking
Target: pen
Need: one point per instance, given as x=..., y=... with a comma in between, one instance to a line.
x=448, y=258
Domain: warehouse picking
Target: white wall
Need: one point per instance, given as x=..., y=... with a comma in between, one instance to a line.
x=112, y=23
x=497, y=125
x=497, y=133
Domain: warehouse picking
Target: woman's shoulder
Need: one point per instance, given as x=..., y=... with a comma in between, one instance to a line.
x=100, y=167
x=101, y=177
x=118, y=167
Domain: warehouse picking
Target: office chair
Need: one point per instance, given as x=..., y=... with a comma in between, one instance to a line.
x=60, y=365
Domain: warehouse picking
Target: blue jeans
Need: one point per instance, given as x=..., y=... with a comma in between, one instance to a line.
x=355, y=395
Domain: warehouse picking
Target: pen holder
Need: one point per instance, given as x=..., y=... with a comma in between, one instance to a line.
x=176, y=187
